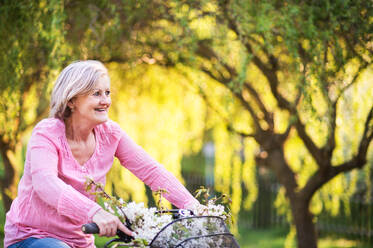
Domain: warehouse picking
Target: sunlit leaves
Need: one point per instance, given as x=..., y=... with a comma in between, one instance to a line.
x=157, y=109
x=249, y=173
x=33, y=49
x=223, y=158
x=299, y=159
x=31, y=39
x=313, y=51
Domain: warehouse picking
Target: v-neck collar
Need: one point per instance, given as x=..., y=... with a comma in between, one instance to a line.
x=69, y=151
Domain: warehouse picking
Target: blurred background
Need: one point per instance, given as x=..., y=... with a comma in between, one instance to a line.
x=270, y=102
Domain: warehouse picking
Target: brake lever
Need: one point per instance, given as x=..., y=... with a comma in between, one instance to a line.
x=124, y=237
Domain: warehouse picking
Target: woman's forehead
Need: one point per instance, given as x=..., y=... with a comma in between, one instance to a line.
x=102, y=82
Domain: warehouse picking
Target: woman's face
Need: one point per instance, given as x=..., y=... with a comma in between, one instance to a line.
x=93, y=107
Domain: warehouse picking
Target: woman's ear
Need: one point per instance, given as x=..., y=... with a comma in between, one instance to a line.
x=70, y=103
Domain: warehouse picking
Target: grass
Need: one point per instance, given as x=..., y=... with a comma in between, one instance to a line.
x=275, y=238
x=250, y=238
x=101, y=241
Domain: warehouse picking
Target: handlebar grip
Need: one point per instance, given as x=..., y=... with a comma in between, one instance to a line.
x=90, y=228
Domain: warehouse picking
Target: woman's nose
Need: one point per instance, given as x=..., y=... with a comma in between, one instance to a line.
x=105, y=100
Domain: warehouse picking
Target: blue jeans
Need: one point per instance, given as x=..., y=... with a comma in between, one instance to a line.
x=40, y=243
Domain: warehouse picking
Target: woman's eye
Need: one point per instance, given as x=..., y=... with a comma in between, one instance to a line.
x=97, y=93
x=107, y=92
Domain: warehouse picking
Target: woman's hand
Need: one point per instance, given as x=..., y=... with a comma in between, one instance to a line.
x=198, y=209
x=108, y=224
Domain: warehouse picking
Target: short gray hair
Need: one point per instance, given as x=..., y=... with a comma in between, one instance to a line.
x=76, y=79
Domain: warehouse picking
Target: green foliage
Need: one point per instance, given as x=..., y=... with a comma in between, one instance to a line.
x=204, y=196
x=164, y=117
x=275, y=238
x=159, y=195
x=311, y=53
x=293, y=62
x=97, y=189
x=32, y=37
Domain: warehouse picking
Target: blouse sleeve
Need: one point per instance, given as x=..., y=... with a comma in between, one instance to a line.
x=153, y=174
x=50, y=188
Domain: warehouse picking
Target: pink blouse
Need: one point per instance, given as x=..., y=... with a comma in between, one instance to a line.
x=52, y=201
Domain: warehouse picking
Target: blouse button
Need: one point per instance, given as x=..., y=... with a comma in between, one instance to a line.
x=84, y=169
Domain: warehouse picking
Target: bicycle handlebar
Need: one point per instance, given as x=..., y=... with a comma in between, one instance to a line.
x=92, y=228
x=178, y=215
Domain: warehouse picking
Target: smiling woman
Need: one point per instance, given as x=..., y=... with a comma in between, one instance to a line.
x=87, y=109
x=76, y=142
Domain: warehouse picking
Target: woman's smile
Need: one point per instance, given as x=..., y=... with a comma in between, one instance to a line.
x=101, y=109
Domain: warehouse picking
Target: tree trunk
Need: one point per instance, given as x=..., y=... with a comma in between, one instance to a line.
x=8, y=181
x=303, y=221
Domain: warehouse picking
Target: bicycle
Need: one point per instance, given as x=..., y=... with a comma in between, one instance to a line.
x=177, y=233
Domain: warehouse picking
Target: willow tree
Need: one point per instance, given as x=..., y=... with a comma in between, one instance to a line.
x=144, y=103
x=31, y=38
x=290, y=66
x=307, y=55
x=165, y=118
x=37, y=38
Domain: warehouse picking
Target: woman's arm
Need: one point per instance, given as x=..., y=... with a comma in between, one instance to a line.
x=50, y=188
x=134, y=158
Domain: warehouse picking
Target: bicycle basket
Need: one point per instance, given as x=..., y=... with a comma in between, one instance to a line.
x=195, y=231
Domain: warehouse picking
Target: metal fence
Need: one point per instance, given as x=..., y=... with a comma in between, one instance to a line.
x=353, y=221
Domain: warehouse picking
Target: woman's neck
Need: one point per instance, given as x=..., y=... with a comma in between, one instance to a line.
x=77, y=131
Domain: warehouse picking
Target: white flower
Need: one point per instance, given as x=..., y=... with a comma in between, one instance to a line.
x=147, y=224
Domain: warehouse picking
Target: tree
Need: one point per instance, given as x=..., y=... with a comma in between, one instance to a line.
x=38, y=38
x=307, y=55
x=31, y=37
x=287, y=68
x=289, y=63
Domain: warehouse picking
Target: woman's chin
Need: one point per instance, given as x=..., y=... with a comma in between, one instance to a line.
x=101, y=119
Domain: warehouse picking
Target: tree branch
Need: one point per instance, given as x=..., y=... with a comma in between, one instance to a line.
x=245, y=104
x=243, y=134
x=362, y=67
x=206, y=52
x=268, y=117
x=270, y=74
x=285, y=134
x=367, y=137
x=358, y=161
x=230, y=126
x=315, y=151
x=330, y=144
x=353, y=50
